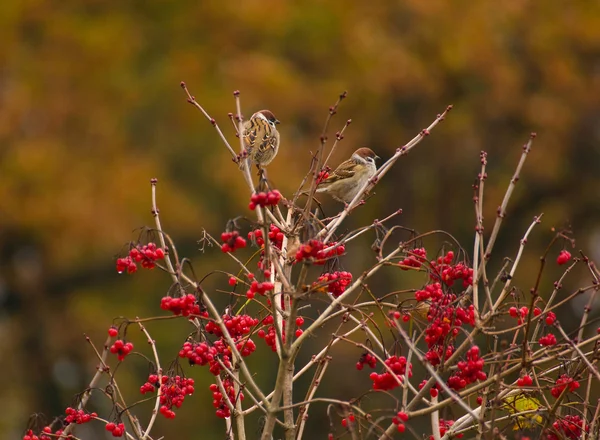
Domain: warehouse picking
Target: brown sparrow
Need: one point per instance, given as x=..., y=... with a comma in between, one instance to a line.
x=348, y=178
x=261, y=138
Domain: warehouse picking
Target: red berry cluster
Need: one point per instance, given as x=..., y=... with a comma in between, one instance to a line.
x=522, y=313
x=445, y=425
x=173, y=391
x=445, y=318
x=232, y=241
x=525, y=381
x=550, y=318
x=562, y=383
x=121, y=349
x=260, y=288
x=336, y=282
x=430, y=291
x=46, y=434
x=387, y=381
x=263, y=199
x=323, y=174
x=318, y=252
x=147, y=255
x=184, y=305
x=78, y=416
x=275, y=238
x=442, y=270
x=469, y=371
x=219, y=400
x=269, y=335
x=415, y=259
x=117, y=430
x=198, y=353
x=563, y=257
x=548, y=340
x=570, y=427
x=236, y=325
x=348, y=421
x=366, y=358
x=399, y=421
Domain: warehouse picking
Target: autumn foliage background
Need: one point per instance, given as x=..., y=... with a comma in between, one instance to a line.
x=91, y=109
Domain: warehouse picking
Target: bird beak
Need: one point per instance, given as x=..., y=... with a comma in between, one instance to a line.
x=377, y=157
x=277, y=121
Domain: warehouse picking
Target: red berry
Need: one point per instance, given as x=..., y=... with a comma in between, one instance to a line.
x=563, y=257
x=112, y=331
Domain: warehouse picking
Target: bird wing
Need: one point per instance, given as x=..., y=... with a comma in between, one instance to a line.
x=250, y=134
x=343, y=171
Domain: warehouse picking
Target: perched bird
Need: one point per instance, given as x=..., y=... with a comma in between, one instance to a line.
x=348, y=178
x=261, y=138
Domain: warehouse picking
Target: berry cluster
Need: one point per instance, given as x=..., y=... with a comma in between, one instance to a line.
x=173, y=391
x=399, y=421
x=46, y=434
x=323, y=174
x=336, y=282
x=260, y=288
x=147, y=255
x=348, y=421
x=445, y=425
x=563, y=257
x=121, y=349
x=548, y=340
x=263, y=199
x=366, y=358
x=117, y=429
x=184, y=305
x=299, y=323
x=445, y=318
x=570, y=427
x=550, y=318
x=387, y=380
x=522, y=313
x=415, y=259
x=219, y=400
x=442, y=270
x=318, y=252
x=275, y=238
x=198, y=353
x=469, y=371
x=525, y=381
x=562, y=383
x=237, y=326
x=232, y=241
x=269, y=335
x=78, y=416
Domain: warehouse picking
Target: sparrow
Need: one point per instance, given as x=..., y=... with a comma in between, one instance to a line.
x=261, y=138
x=348, y=178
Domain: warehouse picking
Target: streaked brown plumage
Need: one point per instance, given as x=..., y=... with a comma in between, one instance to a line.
x=348, y=178
x=261, y=138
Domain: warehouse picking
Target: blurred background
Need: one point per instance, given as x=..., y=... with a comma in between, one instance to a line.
x=91, y=110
